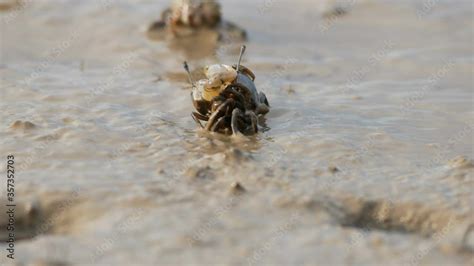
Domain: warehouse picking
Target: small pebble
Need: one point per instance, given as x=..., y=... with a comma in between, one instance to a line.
x=199, y=172
x=237, y=188
x=333, y=169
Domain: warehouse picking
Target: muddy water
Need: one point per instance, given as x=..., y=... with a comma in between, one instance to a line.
x=366, y=156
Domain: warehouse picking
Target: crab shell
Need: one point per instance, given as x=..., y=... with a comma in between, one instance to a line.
x=205, y=91
x=219, y=74
x=250, y=94
x=200, y=104
x=218, y=78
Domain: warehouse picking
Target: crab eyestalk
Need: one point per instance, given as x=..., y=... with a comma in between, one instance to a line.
x=190, y=77
x=242, y=51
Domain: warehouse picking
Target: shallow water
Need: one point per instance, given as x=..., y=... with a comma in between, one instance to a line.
x=367, y=156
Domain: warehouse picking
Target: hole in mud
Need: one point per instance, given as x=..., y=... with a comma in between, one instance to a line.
x=31, y=219
x=20, y=220
x=388, y=216
x=372, y=217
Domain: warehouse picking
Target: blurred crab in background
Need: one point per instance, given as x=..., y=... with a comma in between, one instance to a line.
x=193, y=13
x=188, y=17
x=228, y=99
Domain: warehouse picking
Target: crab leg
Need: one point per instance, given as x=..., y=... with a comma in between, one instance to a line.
x=253, y=119
x=219, y=121
x=216, y=114
x=235, y=116
x=200, y=116
x=231, y=89
x=197, y=117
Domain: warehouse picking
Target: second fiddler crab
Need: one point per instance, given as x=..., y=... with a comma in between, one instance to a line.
x=193, y=13
x=228, y=99
x=186, y=17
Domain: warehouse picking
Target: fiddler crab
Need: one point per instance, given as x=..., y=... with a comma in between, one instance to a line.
x=228, y=99
x=189, y=14
x=194, y=13
x=185, y=16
